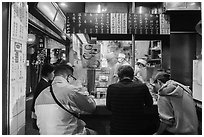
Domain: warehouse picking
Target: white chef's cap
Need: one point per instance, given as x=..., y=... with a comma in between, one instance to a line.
x=121, y=55
x=142, y=61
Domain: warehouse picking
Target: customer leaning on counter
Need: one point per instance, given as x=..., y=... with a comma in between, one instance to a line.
x=176, y=107
x=127, y=100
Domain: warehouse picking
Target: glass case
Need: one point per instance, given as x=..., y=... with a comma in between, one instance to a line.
x=101, y=82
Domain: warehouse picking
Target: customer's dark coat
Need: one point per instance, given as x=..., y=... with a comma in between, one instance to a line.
x=39, y=88
x=127, y=101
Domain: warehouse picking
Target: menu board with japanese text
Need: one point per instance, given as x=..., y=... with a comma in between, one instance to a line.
x=118, y=23
x=197, y=80
x=164, y=24
x=91, y=23
x=17, y=75
x=143, y=24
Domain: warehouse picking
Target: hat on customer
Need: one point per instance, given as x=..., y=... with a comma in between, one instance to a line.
x=162, y=76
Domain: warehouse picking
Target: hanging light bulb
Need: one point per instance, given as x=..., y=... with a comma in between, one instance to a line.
x=31, y=50
x=31, y=38
x=140, y=9
x=99, y=8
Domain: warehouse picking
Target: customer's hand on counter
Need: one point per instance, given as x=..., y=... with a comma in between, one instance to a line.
x=156, y=133
x=79, y=87
x=83, y=91
x=91, y=96
x=77, y=83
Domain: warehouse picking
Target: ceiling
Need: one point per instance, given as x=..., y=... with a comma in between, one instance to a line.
x=177, y=18
x=71, y=7
x=77, y=7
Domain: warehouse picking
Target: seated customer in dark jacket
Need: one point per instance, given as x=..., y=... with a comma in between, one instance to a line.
x=127, y=101
x=47, y=75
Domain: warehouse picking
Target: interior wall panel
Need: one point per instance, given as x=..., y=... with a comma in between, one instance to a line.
x=183, y=50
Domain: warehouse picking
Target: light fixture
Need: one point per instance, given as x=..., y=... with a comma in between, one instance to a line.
x=104, y=10
x=53, y=12
x=31, y=51
x=140, y=9
x=31, y=38
x=64, y=36
x=99, y=8
x=63, y=4
x=48, y=9
x=82, y=37
x=198, y=27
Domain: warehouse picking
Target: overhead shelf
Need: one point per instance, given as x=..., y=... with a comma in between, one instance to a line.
x=54, y=23
x=154, y=60
x=37, y=27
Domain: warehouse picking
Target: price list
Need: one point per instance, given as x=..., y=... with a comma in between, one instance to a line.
x=143, y=24
x=17, y=71
x=91, y=23
x=164, y=24
x=118, y=23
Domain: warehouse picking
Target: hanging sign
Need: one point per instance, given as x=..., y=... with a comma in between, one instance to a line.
x=91, y=23
x=118, y=23
x=164, y=24
x=91, y=55
x=143, y=24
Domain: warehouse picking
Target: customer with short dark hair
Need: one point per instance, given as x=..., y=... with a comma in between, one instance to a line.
x=54, y=120
x=175, y=106
x=127, y=101
x=47, y=75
